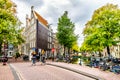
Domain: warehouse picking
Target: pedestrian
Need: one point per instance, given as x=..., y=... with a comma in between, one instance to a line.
x=80, y=63
x=33, y=58
x=43, y=57
x=4, y=59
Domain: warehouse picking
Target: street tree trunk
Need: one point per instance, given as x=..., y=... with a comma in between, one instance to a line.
x=69, y=51
x=100, y=54
x=64, y=52
x=108, y=50
x=0, y=47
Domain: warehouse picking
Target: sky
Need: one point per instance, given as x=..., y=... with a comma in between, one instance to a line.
x=79, y=11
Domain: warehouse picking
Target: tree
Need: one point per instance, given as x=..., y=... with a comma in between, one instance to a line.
x=9, y=31
x=75, y=47
x=92, y=43
x=103, y=29
x=65, y=34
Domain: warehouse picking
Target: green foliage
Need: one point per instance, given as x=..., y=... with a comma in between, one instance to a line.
x=17, y=55
x=86, y=60
x=75, y=47
x=65, y=33
x=103, y=29
x=18, y=38
x=74, y=60
x=9, y=23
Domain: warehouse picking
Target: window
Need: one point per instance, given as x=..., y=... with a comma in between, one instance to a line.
x=50, y=39
x=32, y=21
x=50, y=33
x=34, y=44
x=48, y=45
x=30, y=44
x=11, y=48
x=34, y=26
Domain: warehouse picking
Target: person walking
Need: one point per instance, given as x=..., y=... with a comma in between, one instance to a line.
x=4, y=59
x=33, y=58
x=43, y=57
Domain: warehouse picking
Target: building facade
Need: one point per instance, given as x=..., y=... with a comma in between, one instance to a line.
x=114, y=51
x=38, y=35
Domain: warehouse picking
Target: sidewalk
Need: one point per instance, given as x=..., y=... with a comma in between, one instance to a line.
x=106, y=75
x=6, y=73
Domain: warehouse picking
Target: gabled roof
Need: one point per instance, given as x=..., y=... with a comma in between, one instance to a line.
x=40, y=19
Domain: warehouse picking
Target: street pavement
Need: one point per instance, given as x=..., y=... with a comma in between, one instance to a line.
x=94, y=71
x=5, y=72
x=46, y=72
x=26, y=71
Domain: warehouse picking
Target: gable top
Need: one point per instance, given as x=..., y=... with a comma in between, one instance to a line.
x=40, y=19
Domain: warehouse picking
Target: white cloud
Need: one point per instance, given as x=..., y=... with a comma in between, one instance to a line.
x=79, y=11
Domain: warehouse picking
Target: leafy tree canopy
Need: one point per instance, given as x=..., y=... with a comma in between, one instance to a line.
x=9, y=31
x=65, y=33
x=103, y=29
x=75, y=47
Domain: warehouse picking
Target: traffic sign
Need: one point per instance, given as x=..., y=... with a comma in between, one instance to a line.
x=53, y=49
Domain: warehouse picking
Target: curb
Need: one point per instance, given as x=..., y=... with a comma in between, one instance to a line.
x=79, y=72
x=16, y=73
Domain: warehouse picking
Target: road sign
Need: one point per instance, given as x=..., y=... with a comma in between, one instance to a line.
x=53, y=49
